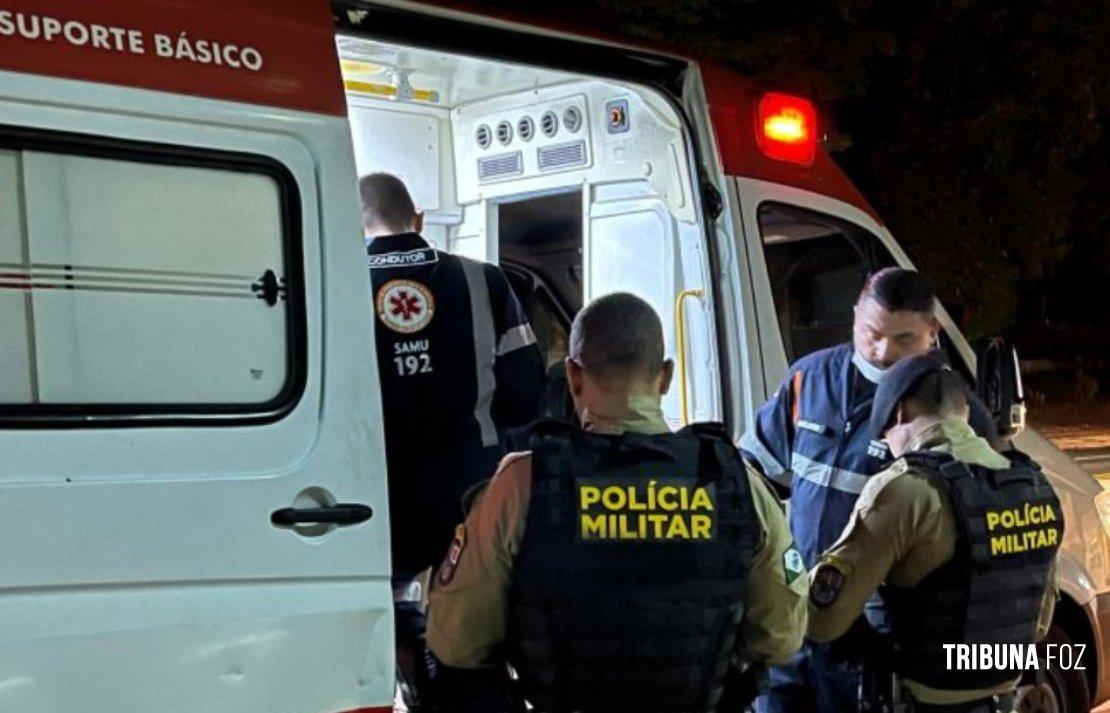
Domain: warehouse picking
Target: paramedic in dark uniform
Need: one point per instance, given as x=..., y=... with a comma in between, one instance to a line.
x=811, y=439
x=458, y=364
x=959, y=540
x=617, y=566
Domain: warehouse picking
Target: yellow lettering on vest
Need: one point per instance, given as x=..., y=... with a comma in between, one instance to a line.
x=684, y=497
x=1034, y=514
x=593, y=527
x=613, y=498
x=701, y=500
x=678, y=529
x=633, y=503
x=700, y=527
x=1049, y=514
x=588, y=495
x=625, y=533
x=998, y=546
x=1007, y=519
x=658, y=521
x=992, y=519
x=666, y=497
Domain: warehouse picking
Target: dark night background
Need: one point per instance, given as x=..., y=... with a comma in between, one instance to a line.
x=979, y=129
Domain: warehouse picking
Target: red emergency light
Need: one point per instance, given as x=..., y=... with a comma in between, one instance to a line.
x=786, y=128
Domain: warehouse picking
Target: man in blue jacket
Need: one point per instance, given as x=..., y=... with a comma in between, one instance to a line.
x=811, y=440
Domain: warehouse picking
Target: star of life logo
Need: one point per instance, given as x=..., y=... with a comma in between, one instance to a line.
x=404, y=306
x=1013, y=657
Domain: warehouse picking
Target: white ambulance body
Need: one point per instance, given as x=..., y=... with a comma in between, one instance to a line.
x=192, y=489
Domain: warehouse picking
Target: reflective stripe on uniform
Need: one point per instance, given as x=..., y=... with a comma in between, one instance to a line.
x=481, y=315
x=771, y=467
x=516, y=338
x=827, y=476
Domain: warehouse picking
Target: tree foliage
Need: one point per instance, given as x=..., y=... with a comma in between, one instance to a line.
x=999, y=116
x=975, y=125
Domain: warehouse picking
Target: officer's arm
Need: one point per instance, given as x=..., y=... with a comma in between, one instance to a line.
x=518, y=364
x=469, y=595
x=775, y=608
x=893, y=515
x=769, y=441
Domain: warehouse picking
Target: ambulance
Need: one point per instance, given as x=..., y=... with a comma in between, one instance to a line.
x=193, y=503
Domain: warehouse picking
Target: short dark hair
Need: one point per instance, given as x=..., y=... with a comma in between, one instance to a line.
x=899, y=290
x=617, y=335
x=386, y=201
x=941, y=393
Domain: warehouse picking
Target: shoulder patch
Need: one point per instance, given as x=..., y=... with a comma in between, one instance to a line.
x=827, y=583
x=451, y=561
x=793, y=566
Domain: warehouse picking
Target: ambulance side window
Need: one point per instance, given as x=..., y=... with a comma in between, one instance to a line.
x=140, y=282
x=816, y=265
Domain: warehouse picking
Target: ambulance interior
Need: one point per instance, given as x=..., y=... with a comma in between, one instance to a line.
x=576, y=186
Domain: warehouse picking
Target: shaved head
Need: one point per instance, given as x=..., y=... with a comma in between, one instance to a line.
x=387, y=207
x=618, y=335
x=941, y=394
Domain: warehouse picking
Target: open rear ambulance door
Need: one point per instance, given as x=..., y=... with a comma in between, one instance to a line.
x=646, y=235
x=629, y=151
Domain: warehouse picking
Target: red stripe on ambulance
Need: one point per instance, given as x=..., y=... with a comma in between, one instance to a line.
x=281, y=53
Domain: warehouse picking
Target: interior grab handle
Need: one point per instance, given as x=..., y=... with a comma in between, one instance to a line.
x=680, y=338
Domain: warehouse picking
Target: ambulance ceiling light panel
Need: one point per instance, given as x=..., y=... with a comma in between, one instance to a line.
x=457, y=79
x=370, y=68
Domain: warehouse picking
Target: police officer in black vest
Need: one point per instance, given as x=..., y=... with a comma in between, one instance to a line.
x=458, y=366
x=616, y=567
x=959, y=541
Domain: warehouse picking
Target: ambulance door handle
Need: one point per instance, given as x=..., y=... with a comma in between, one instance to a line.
x=339, y=514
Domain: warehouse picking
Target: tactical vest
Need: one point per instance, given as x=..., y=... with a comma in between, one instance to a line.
x=630, y=584
x=1010, y=526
